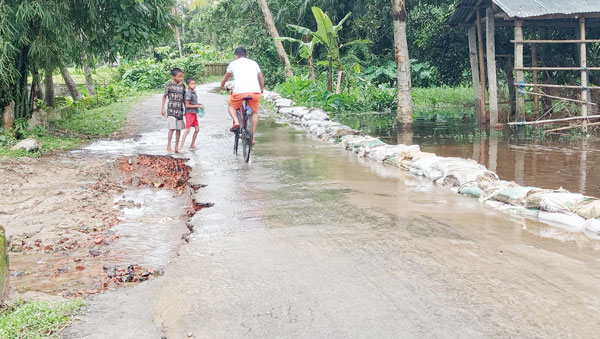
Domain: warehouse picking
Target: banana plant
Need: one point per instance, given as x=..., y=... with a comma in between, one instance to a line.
x=327, y=34
x=306, y=48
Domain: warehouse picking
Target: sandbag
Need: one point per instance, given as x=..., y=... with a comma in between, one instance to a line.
x=470, y=189
x=385, y=152
x=348, y=141
x=463, y=176
x=560, y=202
x=425, y=166
x=490, y=188
x=588, y=208
x=283, y=103
x=513, y=195
x=592, y=228
x=570, y=222
x=316, y=114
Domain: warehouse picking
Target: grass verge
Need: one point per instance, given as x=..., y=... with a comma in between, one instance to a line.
x=78, y=127
x=37, y=319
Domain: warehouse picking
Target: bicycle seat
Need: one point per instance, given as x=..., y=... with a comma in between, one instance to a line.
x=248, y=98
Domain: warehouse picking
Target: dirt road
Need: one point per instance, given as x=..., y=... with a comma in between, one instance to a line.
x=310, y=242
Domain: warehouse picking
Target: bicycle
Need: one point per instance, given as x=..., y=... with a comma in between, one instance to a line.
x=245, y=131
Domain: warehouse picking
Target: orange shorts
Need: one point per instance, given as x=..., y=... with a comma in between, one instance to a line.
x=236, y=99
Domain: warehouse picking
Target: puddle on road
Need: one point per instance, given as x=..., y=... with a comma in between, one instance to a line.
x=150, y=234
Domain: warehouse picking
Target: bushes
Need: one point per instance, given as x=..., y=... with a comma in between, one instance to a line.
x=148, y=73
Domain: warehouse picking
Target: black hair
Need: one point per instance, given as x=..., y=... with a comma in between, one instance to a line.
x=187, y=81
x=241, y=52
x=176, y=71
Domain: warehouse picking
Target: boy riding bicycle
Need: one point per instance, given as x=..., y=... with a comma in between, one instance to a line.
x=249, y=82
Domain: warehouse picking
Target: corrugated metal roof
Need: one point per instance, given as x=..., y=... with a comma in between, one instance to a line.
x=529, y=8
x=532, y=8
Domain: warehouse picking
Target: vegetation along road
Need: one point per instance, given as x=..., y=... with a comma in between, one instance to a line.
x=106, y=234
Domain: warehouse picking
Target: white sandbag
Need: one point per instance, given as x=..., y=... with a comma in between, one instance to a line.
x=316, y=114
x=462, y=176
x=425, y=165
x=286, y=110
x=490, y=188
x=299, y=112
x=560, y=202
x=383, y=153
x=283, y=103
x=570, y=222
x=592, y=228
x=588, y=208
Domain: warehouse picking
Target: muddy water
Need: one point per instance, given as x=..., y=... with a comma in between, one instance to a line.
x=548, y=163
x=150, y=230
x=309, y=241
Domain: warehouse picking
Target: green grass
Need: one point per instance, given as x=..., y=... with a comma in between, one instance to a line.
x=76, y=128
x=102, y=75
x=443, y=96
x=100, y=121
x=33, y=320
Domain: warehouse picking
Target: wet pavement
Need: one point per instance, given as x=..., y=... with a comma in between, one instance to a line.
x=309, y=241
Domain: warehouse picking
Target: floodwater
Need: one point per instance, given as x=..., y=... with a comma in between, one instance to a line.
x=549, y=163
x=310, y=241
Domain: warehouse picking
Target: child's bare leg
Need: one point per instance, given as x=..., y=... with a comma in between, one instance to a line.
x=196, y=131
x=169, y=149
x=185, y=134
x=177, y=136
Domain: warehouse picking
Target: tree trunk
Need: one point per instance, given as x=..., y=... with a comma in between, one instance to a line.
x=330, y=76
x=35, y=86
x=8, y=116
x=49, y=98
x=275, y=35
x=177, y=35
x=403, y=63
x=70, y=83
x=311, y=67
x=338, y=87
x=512, y=91
x=89, y=81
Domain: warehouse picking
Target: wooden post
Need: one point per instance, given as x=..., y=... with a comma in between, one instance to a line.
x=585, y=92
x=475, y=71
x=8, y=116
x=536, y=99
x=481, y=66
x=491, y=65
x=520, y=76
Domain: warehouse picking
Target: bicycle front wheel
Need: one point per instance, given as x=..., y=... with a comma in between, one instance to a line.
x=236, y=142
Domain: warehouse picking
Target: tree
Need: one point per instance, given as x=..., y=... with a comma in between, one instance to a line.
x=45, y=34
x=307, y=47
x=403, y=63
x=275, y=35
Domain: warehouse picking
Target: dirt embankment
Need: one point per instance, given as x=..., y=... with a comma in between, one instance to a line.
x=59, y=214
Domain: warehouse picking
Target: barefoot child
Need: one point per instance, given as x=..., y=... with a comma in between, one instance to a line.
x=191, y=113
x=174, y=91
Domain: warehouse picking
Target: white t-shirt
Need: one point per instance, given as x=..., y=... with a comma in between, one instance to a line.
x=245, y=73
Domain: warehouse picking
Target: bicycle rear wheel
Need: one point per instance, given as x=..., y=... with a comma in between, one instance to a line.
x=247, y=139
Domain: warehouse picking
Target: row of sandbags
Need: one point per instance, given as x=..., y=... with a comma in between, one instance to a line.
x=571, y=211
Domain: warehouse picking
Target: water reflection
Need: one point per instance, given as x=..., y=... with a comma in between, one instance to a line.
x=550, y=163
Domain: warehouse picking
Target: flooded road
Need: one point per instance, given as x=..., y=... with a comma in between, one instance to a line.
x=550, y=162
x=308, y=241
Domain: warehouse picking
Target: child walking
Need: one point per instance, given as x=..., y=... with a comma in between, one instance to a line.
x=191, y=113
x=174, y=91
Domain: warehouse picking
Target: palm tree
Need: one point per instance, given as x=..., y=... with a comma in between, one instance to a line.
x=275, y=35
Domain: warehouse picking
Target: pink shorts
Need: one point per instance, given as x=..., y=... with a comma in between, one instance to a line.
x=191, y=120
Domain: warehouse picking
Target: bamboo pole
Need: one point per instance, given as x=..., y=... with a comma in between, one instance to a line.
x=556, y=86
x=475, y=71
x=548, y=121
x=578, y=41
x=481, y=66
x=570, y=127
x=536, y=99
x=490, y=42
x=520, y=77
x=558, y=68
x=561, y=98
x=585, y=97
